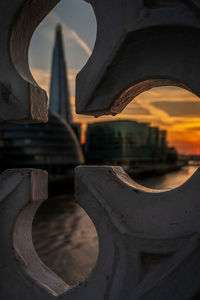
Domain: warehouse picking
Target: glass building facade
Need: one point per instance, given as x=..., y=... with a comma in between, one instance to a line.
x=52, y=146
x=124, y=141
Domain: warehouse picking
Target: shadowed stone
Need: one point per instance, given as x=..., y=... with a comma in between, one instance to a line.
x=134, y=222
x=23, y=275
x=140, y=45
x=149, y=246
x=21, y=99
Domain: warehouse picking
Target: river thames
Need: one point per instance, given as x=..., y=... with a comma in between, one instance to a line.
x=65, y=238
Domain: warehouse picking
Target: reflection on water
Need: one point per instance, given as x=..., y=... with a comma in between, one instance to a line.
x=170, y=180
x=65, y=237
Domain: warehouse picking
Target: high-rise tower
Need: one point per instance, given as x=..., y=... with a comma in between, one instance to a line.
x=59, y=91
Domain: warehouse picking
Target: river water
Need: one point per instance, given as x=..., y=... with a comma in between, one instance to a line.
x=65, y=238
x=170, y=180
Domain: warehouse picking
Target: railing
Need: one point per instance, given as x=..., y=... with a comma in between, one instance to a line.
x=149, y=245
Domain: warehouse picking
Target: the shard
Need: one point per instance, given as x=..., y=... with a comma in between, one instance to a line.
x=59, y=91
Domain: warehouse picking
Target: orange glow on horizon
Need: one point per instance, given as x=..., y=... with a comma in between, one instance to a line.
x=183, y=128
x=82, y=139
x=170, y=108
x=184, y=144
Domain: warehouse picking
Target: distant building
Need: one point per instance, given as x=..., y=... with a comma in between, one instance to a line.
x=59, y=90
x=124, y=141
x=53, y=146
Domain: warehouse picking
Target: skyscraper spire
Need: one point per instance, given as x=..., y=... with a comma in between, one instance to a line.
x=59, y=92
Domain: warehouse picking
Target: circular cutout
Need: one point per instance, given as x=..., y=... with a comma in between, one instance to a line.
x=65, y=239
x=157, y=134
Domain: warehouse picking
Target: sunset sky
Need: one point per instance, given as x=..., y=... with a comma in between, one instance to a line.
x=170, y=108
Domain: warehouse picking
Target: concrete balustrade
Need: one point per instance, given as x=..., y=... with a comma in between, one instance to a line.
x=137, y=48
x=21, y=98
x=149, y=240
x=149, y=246
x=23, y=275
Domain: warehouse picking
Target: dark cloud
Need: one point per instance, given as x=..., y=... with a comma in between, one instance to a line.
x=194, y=129
x=179, y=109
x=135, y=109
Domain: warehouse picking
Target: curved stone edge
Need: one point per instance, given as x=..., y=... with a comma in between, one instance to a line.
x=126, y=217
x=21, y=99
x=23, y=274
x=117, y=205
x=143, y=208
x=118, y=63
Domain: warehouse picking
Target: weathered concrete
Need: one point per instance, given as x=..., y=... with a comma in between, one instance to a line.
x=149, y=246
x=149, y=240
x=140, y=45
x=21, y=99
x=22, y=274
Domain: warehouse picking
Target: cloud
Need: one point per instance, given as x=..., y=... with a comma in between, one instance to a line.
x=178, y=108
x=72, y=74
x=47, y=28
x=173, y=109
x=42, y=77
x=178, y=112
x=136, y=109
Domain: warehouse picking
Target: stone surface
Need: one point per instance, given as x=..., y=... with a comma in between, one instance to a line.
x=23, y=275
x=149, y=246
x=21, y=99
x=140, y=45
